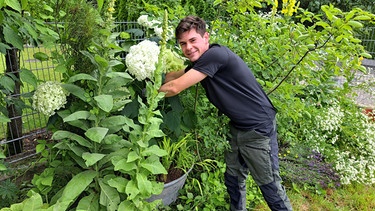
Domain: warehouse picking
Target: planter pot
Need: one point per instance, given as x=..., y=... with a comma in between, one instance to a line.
x=170, y=191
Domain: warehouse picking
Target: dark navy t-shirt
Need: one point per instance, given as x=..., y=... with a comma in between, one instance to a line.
x=232, y=88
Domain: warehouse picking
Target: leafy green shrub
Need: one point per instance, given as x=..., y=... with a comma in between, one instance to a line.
x=345, y=5
x=205, y=190
x=298, y=65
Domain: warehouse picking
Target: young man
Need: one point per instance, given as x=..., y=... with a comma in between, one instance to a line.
x=233, y=89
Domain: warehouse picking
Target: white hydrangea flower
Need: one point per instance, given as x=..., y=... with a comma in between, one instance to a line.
x=49, y=97
x=143, y=21
x=142, y=58
x=156, y=26
x=158, y=31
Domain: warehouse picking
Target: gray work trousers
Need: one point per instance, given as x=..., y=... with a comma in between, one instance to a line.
x=255, y=153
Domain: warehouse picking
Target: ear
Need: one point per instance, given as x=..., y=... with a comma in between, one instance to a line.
x=206, y=36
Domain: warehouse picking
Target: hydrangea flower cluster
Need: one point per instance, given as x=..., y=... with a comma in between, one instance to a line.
x=148, y=22
x=142, y=59
x=143, y=20
x=49, y=97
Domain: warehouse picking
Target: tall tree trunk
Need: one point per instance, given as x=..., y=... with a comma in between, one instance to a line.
x=14, y=127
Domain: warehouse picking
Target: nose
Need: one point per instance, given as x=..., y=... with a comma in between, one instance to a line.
x=188, y=46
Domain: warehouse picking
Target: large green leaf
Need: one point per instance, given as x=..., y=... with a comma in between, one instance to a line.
x=74, y=188
x=84, y=125
x=119, y=163
x=14, y=4
x=109, y=197
x=132, y=156
x=76, y=149
x=113, y=139
x=4, y=119
x=120, y=74
x=144, y=184
x=114, y=121
x=102, y=62
x=96, y=134
x=28, y=77
x=131, y=189
x=4, y=47
x=62, y=134
x=89, y=203
x=105, y=102
x=35, y=202
x=172, y=120
x=127, y=205
x=79, y=115
x=153, y=165
x=7, y=82
x=114, y=84
x=32, y=33
x=92, y=158
x=41, y=56
x=154, y=150
x=81, y=76
x=119, y=183
x=76, y=91
x=12, y=37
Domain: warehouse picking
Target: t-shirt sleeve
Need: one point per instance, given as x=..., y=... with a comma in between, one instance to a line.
x=211, y=61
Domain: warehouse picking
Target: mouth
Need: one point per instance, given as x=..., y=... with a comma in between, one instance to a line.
x=190, y=54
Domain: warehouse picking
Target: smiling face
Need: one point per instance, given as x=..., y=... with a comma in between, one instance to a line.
x=193, y=44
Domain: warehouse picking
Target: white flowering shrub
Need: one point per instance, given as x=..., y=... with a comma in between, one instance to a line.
x=356, y=162
x=146, y=21
x=49, y=97
x=155, y=26
x=346, y=137
x=142, y=58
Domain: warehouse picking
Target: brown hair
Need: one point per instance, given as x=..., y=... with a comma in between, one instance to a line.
x=190, y=22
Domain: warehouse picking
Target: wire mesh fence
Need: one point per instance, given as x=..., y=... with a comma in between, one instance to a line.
x=368, y=39
x=27, y=124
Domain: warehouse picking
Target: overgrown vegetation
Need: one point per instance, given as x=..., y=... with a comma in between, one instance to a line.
x=109, y=134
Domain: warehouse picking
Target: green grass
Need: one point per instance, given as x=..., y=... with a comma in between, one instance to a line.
x=347, y=198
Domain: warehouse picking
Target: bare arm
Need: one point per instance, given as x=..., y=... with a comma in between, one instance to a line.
x=186, y=80
x=173, y=75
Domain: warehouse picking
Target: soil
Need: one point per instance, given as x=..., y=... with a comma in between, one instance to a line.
x=29, y=144
x=22, y=166
x=173, y=174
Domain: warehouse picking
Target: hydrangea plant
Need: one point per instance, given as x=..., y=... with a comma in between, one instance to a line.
x=155, y=26
x=49, y=97
x=142, y=58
